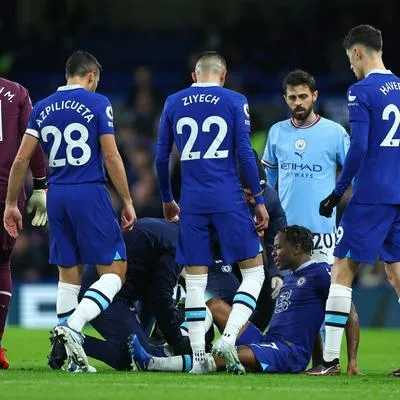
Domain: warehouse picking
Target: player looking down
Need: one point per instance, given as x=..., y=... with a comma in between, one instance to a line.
x=75, y=127
x=211, y=126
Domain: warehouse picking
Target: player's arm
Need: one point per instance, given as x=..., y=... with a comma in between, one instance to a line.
x=270, y=161
x=12, y=216
x=117, y=174
x=247, y=162
x=359, y=127
x=37, y=201
x=164, y=278
x=317, y=351
x=164, y=147
x=353, y=340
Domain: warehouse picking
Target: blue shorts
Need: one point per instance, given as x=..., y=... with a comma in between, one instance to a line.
x=272, y=355
x=367, y=231
x=222, y=283
x=83, y=226
x=236, y=234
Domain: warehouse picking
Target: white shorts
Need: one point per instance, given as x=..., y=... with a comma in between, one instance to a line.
x=324, y=244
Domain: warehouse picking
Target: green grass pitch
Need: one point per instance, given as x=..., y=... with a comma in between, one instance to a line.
x=30, y=378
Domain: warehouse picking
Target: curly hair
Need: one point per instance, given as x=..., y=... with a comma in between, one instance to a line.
x=300, y=235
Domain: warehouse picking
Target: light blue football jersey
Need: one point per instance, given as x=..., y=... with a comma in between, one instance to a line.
x=68, y=124
x=303, y=161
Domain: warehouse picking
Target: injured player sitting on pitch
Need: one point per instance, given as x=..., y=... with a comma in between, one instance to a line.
x=287, y=347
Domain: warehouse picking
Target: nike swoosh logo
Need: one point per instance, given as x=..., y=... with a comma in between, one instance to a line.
x=352, y=98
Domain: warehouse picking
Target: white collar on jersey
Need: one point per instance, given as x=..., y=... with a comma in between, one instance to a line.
x=306, y=264
x=70, y=87
x=379, y=71
x=204, y=84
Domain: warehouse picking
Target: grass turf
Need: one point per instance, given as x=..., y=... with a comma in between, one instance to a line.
x=30, y=378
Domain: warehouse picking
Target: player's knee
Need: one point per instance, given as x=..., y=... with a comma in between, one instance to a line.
x=196, y=282
x=256, y=274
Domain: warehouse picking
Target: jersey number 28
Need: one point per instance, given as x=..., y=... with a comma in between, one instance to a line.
x=213, y=151
x=80, y=144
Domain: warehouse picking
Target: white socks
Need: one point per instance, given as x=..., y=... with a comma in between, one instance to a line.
x=337, y=312
x=207, y=323
x=195, y=314
x=67, y=300
x=96, y=299
x=244, y=302
x=178, y=363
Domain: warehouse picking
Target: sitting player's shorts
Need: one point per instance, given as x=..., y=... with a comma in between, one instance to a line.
x=7, y=242
x=237, y=236
x=272, y=355
x=222, y=283
x=83, y=225
x=324, y=245
x=369, y=230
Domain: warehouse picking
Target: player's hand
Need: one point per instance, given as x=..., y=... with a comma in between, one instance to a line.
x=276, y=285
x=128, y=217
x=262, y=217
x=37, y=203
x=12, y=221
x=171, y=211
x=328, y=204
x=352, y=368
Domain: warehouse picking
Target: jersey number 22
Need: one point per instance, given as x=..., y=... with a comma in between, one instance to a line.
x=213, y=151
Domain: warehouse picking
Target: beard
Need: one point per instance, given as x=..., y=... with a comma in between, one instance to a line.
x=301, y=113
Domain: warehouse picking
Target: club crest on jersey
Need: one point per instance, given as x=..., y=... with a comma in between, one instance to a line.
x=300, y=144
x=301, y=281
x=226, y=268
x=246, y=110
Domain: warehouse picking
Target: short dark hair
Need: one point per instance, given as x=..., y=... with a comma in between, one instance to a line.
x=261, y=173
x=366, y=35
x=81, y=63
x=299, y=77
x=208, y=54
x=299, y=235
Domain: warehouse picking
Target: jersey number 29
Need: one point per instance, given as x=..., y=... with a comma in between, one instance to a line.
x=213, y=151
x=71, y=144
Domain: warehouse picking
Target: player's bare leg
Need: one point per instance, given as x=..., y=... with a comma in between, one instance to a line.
x=243, y=306
x=337, y=312
x=195, y=315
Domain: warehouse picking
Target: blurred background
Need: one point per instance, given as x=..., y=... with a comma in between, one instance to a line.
x=147, y=50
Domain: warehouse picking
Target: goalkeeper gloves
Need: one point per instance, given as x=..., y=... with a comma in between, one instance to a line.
x=37, y=203
x=328, y=204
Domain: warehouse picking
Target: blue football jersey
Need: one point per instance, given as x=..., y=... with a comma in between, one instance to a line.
x=300, y=307
x=303, y=162
x=68, y=124
x=375, y=100
x=211, y=128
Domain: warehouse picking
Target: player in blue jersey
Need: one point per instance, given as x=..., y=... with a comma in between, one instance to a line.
x=211, y=126
x=298, y=315
x=75, y=128
x=370, y=226
x=151, y=276
x=302, y=155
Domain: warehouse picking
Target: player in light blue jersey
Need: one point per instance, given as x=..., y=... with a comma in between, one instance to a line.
x=370, y=226
x=301, y=156
x=298, y=315
x=75, y=128
x=211, y=127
